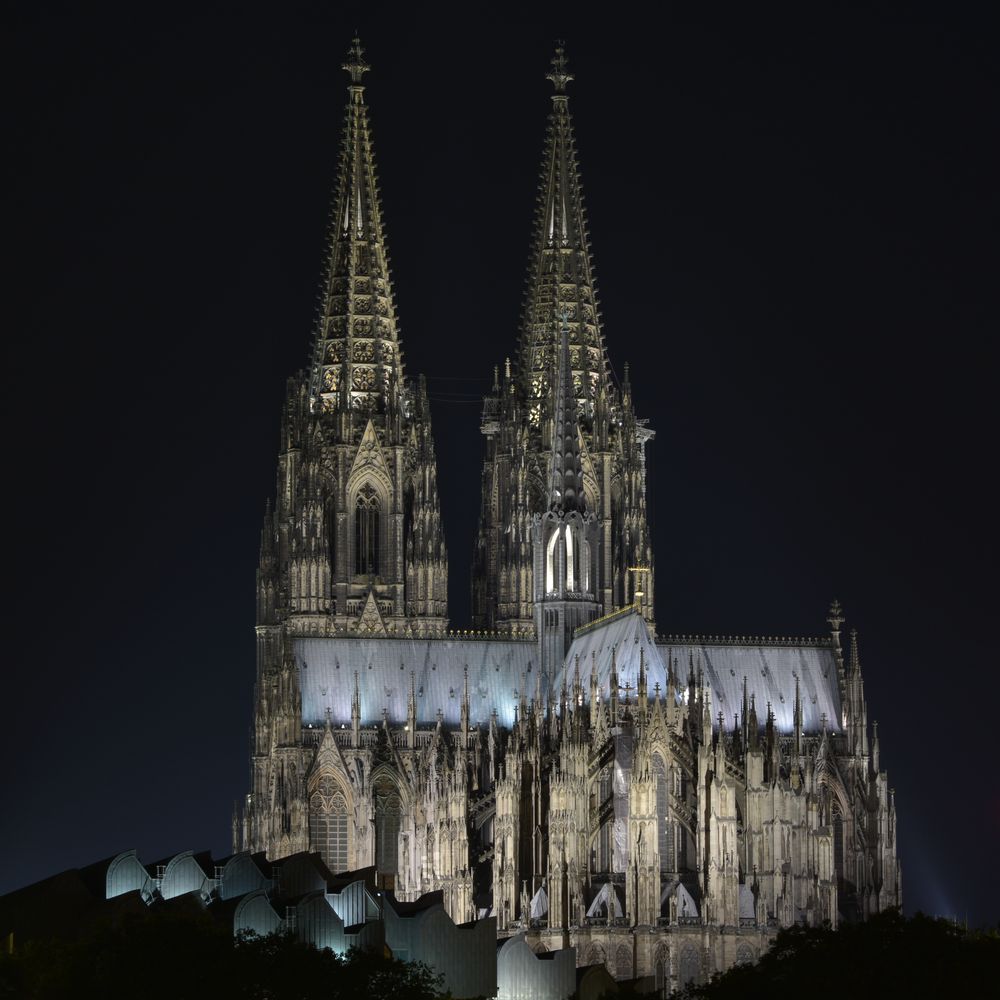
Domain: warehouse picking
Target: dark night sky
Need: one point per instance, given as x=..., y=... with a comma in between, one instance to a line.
x=795, y=234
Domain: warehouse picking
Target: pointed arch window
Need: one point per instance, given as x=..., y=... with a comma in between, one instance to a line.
x=623, y=962
x=330, y=515
x=367, y=518
x=583, y=572
x=838, y=846
x=602, y=856
x=571, y=574
x=690, y=966
x=661, y=971
x=388, y=814
x=664, y=825
x=328, y=824
x=551, y=562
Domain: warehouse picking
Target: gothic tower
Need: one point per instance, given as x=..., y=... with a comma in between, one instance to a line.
x=549, y=409
x=354, y=543
x=662, y=804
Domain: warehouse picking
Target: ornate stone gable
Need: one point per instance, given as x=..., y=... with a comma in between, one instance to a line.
x=370, y=458
x=371, y=620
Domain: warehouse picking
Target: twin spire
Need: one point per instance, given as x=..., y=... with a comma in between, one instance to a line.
x=356, y=362
x=561, y=286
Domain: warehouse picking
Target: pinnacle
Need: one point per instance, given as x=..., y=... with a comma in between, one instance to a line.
x=355, y=63
x=836, y=615
x=559, y=75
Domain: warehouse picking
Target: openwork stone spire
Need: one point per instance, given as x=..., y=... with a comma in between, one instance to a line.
x=566, y=489
x=560, y=276
x=356, y=361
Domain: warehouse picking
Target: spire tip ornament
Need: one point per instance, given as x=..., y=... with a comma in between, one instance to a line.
x=560, y=74
x=355, y=63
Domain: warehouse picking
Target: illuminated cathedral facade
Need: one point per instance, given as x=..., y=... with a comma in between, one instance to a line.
x=661, y=803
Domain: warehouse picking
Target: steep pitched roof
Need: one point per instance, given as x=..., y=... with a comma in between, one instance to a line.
x=497, y=670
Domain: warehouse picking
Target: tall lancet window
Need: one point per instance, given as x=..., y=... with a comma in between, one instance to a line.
x=838, y=846
x=388, y=813
x=330, y=515
x=571, y=557
x=328, y=824
x=366, y=532
x=551, y=561
x=602, y=851
x=665, y=829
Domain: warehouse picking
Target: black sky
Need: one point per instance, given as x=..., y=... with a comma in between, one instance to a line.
x=795, y=231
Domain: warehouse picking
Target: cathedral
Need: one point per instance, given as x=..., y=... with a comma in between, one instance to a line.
x=661, y=803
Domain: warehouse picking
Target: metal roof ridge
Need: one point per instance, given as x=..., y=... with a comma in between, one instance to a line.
x=604, y=619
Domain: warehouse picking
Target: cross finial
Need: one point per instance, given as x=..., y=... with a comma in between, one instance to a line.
x=836, y=616
x=560, y=74
x=355, y=63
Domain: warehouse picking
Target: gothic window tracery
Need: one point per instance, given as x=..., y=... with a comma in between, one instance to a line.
x=328, y=824
x=690, y=966
x=367, y=517
x=665, y=832
x=623, y=963
x=661, y=970
x=330, y=516
x=388, y=814
x=838, y=844
x=603, y=849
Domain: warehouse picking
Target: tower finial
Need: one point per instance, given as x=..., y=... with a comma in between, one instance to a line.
x=355, y=63
x=559, y=74
x=835, y=616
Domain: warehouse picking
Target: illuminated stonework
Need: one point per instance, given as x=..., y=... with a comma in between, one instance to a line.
x=660, y=804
